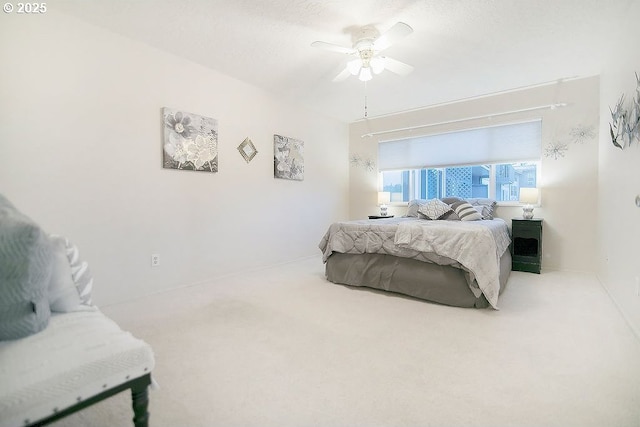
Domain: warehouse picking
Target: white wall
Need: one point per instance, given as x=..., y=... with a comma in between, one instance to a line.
x=80, y=152
x=619, y=178
x=568, y=184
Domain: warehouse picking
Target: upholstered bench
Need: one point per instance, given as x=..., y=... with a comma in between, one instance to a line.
x=80, y=358
x=58, y=352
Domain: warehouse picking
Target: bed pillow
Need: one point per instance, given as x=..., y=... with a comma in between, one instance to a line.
x=80, y=273
x=26, y=258
x=63, y=294
x=485, y=206
x=451, y=216
x=414, y=205
x=451, y=200
x=434, y=209
x=465, y=211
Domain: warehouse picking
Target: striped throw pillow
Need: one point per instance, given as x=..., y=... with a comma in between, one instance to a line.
x=80, y=273
x=465, y=211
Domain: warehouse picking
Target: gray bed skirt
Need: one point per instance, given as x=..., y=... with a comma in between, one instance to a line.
x=443, y=284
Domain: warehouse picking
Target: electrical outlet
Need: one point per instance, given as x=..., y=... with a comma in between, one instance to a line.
x=155, y=260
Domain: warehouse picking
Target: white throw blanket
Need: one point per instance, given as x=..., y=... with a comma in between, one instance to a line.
x=472, y=244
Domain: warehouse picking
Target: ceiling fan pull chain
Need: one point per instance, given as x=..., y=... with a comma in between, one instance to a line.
x=365, y=100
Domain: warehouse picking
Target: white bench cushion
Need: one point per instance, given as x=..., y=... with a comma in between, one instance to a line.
x=79, y=355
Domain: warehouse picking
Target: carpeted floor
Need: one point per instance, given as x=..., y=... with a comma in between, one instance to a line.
x=284, y=347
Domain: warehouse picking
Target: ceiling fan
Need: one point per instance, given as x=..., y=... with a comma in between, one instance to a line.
x=367, y=46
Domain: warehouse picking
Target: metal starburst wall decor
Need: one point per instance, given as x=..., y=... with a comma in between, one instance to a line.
x=555, y=150
x=367, y=164
x=625, y=120
x=582, y=133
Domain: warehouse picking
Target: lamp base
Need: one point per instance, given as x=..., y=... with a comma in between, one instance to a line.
x=383, y=210
x=527, y=212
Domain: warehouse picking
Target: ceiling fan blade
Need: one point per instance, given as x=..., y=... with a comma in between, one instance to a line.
x=396, y=66
x=333, y=47
x=344, y=75
x=392, y=35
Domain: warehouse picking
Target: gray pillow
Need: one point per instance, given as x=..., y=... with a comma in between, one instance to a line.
x=451, y=200
x=26, y=259
x=487, y=206
x=414, y=205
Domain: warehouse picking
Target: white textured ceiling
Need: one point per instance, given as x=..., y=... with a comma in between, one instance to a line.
x=459, y=48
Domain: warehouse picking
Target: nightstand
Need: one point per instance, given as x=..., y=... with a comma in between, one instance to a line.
x=526, y=245
x=379, y=216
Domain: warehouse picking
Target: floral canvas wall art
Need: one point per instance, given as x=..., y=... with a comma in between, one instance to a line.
x=288, y=158
x=190, y=141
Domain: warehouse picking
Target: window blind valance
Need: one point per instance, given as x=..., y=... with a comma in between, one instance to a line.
x=494, y=144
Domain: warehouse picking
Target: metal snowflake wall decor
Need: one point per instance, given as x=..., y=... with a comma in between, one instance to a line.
x=367, y=164
x=555, y=149
x=581, y=133
x=578, y=135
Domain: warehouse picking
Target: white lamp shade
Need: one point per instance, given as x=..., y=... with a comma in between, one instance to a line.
x=365, y=74
x=384, y=197
x=529, y=196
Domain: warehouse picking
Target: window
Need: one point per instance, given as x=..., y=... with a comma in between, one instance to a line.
x=498, y=181
x=492, y=162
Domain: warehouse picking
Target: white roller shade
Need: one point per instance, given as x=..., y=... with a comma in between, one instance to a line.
x=494, y=144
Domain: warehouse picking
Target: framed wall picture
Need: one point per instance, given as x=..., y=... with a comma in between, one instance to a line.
x=288, y=158
x=190, y=141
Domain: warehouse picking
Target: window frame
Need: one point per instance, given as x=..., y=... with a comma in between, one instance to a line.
x=492, y=187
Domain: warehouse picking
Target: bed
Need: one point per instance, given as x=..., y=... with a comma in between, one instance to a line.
x=442, y=259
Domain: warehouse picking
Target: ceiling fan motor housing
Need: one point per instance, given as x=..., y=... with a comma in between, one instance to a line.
x=368, y=43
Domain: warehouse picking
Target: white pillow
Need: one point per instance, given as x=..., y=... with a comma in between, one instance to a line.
x=63, y=295
x=434, y=209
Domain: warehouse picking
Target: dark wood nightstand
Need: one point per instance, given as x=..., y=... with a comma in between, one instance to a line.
x=526, y=245
x=379, y=216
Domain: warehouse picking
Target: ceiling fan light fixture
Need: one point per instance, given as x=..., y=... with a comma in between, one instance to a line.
x=377, y=65
x=365, y=74
x=365, y=52
x=354, y=66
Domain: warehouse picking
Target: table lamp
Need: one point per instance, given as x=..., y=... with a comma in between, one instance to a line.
x=529, y=197
x=384, y=198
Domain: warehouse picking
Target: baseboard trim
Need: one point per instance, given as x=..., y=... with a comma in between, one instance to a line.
x=635, y=331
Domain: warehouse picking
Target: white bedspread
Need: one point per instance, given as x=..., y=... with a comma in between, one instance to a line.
x=78, y=355
x=477, y=245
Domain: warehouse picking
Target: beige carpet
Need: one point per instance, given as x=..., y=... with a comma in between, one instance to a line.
x=284, y=347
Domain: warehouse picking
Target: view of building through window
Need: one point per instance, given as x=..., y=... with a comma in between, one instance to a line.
x=501, y=182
